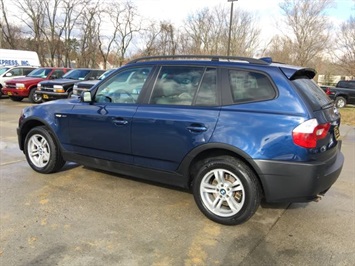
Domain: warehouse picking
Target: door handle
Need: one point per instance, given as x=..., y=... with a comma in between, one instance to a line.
x=197, y=128
x=119, y=121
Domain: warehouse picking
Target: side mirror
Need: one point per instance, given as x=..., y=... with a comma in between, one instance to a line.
x=53, y=77
x=8, y=75
x=86, y=97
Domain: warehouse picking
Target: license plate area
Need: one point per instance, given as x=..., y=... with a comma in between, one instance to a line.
x=336, y=132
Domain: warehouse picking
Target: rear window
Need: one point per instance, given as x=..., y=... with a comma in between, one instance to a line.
x=311, y=91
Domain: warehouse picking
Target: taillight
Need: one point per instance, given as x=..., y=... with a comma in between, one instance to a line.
x=328, y=91
x=309, y=132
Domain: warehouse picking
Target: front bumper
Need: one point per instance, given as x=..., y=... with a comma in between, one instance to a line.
x=15, y=92
x=47, y=95
x=298, y=181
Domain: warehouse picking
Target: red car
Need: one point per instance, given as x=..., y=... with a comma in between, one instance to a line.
x=20, y=88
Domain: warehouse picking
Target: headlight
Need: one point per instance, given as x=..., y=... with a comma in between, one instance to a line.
x=20, y=86
x=39, y=86
x=58, y=88
x=75, y=87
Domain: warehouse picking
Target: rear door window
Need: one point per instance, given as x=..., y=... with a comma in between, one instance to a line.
x=176, y=85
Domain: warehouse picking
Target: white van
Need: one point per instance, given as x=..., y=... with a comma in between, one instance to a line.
x=16, y=64
x=10, y=57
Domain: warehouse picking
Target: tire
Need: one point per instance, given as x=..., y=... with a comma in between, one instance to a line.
x=340, y=102
x=217, y=197
x=42, y=152
x=16, y=99
x=34, y=97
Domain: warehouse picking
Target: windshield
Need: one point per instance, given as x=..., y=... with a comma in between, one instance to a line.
x=78, y=74
x=106, y=73
x=3, y=70
x=317, y=97
x=40, y=73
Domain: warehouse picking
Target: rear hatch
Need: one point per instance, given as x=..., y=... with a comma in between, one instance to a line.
x=323, y=111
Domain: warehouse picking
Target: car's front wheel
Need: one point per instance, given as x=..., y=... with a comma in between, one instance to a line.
x=226, y=190
x=34, y=97
x=42, y=152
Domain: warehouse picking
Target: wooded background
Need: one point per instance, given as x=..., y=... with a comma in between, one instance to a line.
x=106, y=34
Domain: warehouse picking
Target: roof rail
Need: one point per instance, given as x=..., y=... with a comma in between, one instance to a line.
x=212, y=57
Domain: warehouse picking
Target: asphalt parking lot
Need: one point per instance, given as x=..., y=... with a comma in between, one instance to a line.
x=82, y=216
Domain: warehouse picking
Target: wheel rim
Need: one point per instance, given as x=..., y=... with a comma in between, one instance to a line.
x=222, y=192
x=38, y=150
x=341, y=103
x=36, y=98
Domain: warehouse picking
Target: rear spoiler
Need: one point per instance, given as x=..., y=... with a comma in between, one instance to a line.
x=292, y=73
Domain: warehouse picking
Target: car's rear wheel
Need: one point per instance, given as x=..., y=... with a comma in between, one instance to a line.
x=34, y=97
x=340, y=102
x=42, y=152
x=226, y=190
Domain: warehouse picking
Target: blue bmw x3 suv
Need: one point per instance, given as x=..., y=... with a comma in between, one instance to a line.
x=232, y=130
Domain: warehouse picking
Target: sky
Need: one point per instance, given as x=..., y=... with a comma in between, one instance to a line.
x=179, y=9
x=268, y=11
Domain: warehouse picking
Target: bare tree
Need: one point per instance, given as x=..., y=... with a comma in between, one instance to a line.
x=34, y=20
x=72, y=11
x=160, y=39
x=126, y=30
x=307, y=28
x=149, y=38
x=245, y=33
x=206, y=32
x=280, y=49
x=106, y=40
x=9, y=34
x=345, y=51
x=198, y=29
x=88, y=56
x=53, y=30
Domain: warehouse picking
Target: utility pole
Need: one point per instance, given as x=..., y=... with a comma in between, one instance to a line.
x=230, y=27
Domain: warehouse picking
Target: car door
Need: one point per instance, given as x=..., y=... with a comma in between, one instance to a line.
x=103, y=129
x=181, y=114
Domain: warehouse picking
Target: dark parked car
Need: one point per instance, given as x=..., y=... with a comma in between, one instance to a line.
x=234, y=130
x=342, y=94
x=82, y=86
x=63, y=88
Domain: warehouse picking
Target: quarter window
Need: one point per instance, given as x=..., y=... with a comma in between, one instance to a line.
x=250, y=86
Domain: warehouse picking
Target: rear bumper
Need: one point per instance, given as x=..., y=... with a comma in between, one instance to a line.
x=299, y=182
